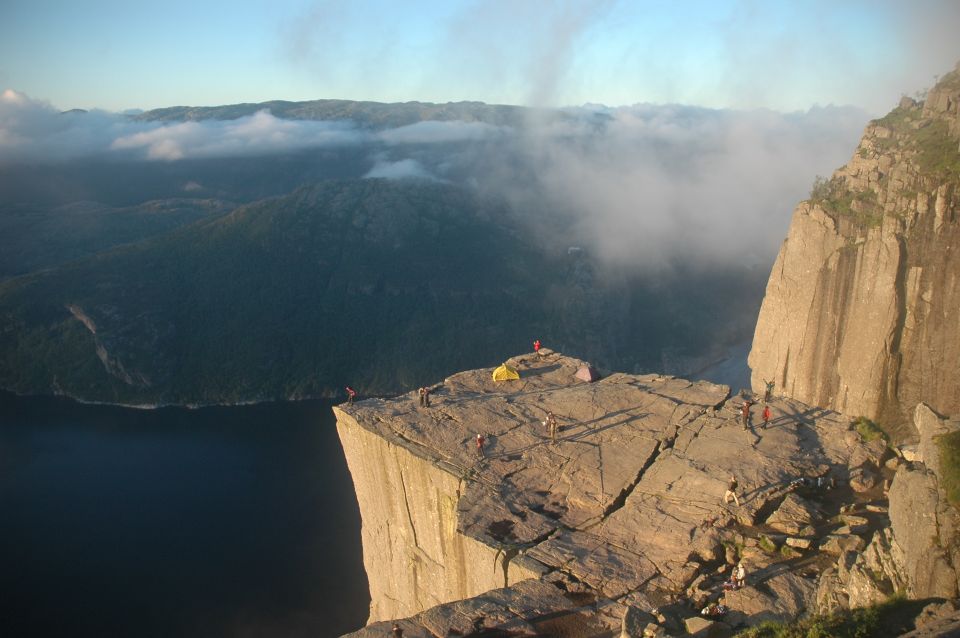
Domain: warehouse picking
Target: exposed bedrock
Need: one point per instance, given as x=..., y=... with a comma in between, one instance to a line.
x=625, y=509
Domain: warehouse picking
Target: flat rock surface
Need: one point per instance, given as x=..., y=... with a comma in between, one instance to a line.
x=628, y=496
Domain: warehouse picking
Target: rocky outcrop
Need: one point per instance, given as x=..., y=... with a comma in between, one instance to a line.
x=860, y=308
x=916, y=551
x=625, y=509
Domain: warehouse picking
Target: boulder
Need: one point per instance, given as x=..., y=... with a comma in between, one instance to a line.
x=704, y=628
x=799, y=543
x=793, y=516
x=915, y=510
x=856, y=524
x=863, y=479
x=837, y=544
x=635, y=622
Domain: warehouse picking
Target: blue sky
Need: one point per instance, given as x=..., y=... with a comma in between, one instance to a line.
x=781, y=55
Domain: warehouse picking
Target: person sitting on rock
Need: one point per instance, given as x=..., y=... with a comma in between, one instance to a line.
x=731, y=492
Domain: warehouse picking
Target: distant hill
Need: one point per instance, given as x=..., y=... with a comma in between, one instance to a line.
x=380, y=284
x=37, y=237
x=369, y=114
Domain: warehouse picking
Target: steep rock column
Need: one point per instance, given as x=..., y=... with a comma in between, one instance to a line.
x=414, y=557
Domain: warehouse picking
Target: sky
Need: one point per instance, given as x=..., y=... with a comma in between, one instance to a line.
x=786, y=56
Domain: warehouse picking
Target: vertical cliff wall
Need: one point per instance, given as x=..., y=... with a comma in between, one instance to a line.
x=861, y=308
x=414, y=556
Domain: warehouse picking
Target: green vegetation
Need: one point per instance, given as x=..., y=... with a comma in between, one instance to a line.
x=938, y=152
x=767, y=545
x=382, y=285
x=836, y=198
x=889, y=618
x=949, y=446
x=869, y=431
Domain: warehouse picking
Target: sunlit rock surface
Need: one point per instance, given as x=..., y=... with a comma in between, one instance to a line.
x=624, y=509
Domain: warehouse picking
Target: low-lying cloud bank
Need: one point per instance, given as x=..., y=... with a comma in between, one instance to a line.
x=644, y=185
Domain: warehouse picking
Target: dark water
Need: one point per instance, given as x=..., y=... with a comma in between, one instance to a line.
x=177, y=523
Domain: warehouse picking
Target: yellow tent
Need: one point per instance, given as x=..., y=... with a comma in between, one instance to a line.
x=505, y=373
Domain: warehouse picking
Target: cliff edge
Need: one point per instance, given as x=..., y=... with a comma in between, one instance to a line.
x=860, y=313
x=624, y=510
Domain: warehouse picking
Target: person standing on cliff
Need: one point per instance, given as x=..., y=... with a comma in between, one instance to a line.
x=480, y=442
x=426, y=397
x=550, y=423
x=766, y=416
x=536, y=346
x=768, y=393
x=731, y=492
x=745, y=414
x=423, y=396
x=350, y=394
x=397, y=632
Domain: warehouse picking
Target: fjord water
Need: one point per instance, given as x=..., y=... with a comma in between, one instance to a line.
x=221, y=521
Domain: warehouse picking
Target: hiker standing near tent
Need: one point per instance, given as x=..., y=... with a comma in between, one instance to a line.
x=766, y=416
x=480, y=442
x=350, y=394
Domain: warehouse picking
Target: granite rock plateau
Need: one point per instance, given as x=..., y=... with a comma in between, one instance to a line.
x=625, y=509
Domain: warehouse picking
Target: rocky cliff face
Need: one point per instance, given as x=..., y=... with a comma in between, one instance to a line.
x=860, y=313
x=623, y=511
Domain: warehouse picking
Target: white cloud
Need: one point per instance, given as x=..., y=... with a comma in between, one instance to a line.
x=435, y=132
x=258, y=134
x=402, y=169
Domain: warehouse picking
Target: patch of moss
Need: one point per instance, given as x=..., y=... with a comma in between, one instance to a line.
x=869, y=431
x=938, y=153
x=888, y=618
x=767, y=545
x=949, y=446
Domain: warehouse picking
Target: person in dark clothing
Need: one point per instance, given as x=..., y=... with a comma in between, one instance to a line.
x=768, y=393
x=351, y=393
x=426, y=397
x=397, y=631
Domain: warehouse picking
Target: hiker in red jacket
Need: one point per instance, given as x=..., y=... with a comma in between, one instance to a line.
x=766, y=416
x=350, y=394
x=480, y=442
x=536, y=346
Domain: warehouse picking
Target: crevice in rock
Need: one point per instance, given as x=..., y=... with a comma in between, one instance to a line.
x=406, y=504
x=621, y=498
